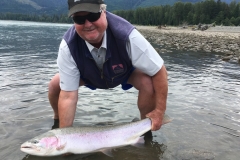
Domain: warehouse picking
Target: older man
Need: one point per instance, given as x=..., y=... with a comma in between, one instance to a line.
x=102, y=50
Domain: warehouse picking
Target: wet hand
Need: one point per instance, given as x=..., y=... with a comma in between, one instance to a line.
x=156, y=117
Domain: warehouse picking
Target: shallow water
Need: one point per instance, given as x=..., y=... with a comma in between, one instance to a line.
x=204, y=100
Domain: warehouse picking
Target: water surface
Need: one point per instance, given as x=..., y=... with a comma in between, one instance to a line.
x=203, y=99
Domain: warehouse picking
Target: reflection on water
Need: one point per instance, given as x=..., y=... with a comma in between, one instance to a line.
x=204, y=100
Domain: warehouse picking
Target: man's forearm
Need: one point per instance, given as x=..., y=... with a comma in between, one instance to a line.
x=160, y=84
x=67, y=107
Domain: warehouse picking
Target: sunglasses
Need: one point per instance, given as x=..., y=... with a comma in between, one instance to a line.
x=91, y=17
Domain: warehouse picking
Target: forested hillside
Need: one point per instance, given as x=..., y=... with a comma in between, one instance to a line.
x=60, y=6
x=208, y=11
x=33, y=6
x=133, y=4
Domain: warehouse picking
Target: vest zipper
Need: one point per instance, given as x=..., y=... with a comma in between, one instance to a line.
x=102, y=77
x=102, y=72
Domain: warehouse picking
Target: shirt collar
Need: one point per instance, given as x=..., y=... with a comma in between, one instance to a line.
x=104, y=43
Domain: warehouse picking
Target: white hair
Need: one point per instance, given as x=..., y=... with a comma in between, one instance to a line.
x=103, y=7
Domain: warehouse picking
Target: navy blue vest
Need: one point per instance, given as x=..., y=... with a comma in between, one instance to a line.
x=117, y=66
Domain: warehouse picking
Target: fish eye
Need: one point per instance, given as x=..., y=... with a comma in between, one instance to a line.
x=35, y=141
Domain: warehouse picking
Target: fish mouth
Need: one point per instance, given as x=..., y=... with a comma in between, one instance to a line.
x=26, y=148
x=31, y=150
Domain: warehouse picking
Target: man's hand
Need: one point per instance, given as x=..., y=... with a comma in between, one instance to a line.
x=156, y=117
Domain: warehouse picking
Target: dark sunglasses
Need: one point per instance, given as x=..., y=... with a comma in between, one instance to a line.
x=91, y=17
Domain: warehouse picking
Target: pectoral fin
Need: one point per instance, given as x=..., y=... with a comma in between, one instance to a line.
x=61, y=147
x=108, y=152
x=139, y=143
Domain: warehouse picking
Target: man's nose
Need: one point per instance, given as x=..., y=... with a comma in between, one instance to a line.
x=87, y=23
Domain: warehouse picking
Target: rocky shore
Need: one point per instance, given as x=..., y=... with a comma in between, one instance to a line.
x=219, y=39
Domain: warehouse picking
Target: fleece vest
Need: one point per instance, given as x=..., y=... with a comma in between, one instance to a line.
x=117, y=66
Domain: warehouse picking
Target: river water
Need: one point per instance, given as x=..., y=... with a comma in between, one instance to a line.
x=203, y=99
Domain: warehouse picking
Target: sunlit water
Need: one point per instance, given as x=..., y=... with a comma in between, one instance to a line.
x=203, y=99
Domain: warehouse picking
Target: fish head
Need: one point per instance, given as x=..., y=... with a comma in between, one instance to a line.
x=46, y=144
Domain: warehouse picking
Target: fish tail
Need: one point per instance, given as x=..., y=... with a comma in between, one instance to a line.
x=166, y=119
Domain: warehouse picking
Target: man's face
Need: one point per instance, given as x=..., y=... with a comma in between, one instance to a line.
x=92, y=32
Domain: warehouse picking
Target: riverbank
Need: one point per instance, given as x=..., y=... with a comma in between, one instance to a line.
x=219, y=39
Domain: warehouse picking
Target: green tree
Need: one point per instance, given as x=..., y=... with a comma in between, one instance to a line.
x=226, y=22
x=178, y=10
x=190, y=18
x=188, y=7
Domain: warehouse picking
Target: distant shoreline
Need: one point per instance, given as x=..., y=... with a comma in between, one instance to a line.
x=220, y=39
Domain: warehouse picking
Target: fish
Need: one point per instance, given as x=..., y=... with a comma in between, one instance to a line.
x=82, y=140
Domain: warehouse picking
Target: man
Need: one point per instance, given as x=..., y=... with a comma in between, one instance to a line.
x=102, y=50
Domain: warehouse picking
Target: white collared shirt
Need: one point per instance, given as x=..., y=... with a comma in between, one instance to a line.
x=143, y=56
x=99, y=53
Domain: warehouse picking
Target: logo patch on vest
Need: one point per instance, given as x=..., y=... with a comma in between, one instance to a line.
x=118, y=68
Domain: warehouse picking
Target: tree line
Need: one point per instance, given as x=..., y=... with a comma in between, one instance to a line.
x=205, y=12
x=63, y=18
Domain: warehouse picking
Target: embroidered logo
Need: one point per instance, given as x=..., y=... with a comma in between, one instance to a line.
x=117, y=68
x=76, y=0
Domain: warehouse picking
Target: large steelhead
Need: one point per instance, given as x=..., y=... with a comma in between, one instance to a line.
x=80, y=140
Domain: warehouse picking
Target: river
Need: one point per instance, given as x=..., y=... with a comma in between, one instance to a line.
x=203, y=100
